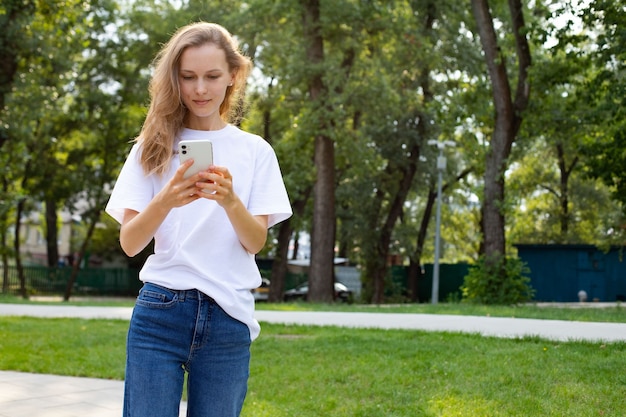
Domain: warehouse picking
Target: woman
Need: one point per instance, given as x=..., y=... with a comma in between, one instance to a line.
x=195, y=311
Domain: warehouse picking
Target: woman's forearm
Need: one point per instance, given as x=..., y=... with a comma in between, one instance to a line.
x=251, y=230
x=138, y=229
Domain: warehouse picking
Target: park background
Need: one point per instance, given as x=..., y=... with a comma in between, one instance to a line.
x=516, y=107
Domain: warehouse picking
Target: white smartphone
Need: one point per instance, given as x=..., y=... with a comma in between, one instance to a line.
x=201, y=151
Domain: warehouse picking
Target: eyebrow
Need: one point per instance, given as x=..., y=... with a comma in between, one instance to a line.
x=193, y=72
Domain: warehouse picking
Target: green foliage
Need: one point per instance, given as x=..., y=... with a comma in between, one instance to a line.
x=606, y=94
x=498, y=280
x=74, y=106
x=539, y=191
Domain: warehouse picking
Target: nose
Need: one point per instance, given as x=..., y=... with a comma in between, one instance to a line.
x=201, y=86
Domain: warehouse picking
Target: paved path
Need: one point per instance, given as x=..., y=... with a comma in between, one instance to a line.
x=34, y=395
x=486, y=326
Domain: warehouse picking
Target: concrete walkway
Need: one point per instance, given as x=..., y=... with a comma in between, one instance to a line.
x=34, y=395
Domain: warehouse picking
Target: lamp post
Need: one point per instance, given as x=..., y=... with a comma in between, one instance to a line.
x=441, y=166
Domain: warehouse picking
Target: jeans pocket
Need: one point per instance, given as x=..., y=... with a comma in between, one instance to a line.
x=154, y=296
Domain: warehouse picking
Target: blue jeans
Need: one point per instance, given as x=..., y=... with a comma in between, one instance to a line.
x=176, y=331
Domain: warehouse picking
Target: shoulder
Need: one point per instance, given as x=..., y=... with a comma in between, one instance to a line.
x=238, y=133
x=135, y=149
x=250, y=140
x=134, y=154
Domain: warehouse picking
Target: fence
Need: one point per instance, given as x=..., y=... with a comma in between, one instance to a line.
x=40, y=280
x=451, y=278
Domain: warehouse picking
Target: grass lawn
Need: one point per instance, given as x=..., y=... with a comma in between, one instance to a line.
x=327, y=371
x=575, y=312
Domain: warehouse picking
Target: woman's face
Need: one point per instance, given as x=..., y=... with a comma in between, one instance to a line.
x=204, y=77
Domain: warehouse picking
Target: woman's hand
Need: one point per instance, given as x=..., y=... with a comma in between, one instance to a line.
x=216, y=183
x=179, y=191
x=138, y=229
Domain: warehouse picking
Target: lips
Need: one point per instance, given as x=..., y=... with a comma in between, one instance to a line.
x=201, y=102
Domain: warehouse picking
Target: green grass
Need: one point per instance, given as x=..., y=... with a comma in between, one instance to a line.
x=616, y=314
x=327, y=371
x=322, y=372
x=75, y=301
x=77, y=347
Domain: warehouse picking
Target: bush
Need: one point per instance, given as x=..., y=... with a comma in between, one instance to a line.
x=498, y=280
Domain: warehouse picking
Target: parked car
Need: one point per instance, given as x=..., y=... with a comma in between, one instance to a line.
x=301, y=292
x=262, y=292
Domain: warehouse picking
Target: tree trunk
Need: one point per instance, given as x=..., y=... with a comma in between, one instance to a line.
x=5, y=261
x=414, y=276
x=296, y=246
x=279, y=266
x=492, y=211
x=507, y=119
x=52, y=237
x=415, y=266
x=93, y=217
x=323, y=229
x=563, y=196
x=81, y=254
x=4, y=250
x=395, y=211
x=16, y=247
x=321, y=273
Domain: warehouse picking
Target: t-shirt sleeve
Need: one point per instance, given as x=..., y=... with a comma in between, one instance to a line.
x=269, y=195
x=132, y=189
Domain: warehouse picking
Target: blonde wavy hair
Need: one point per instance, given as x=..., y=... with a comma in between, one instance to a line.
x=167, y=113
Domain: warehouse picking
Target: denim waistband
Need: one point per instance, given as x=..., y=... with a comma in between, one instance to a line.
x=182, y=295
x=193, y=295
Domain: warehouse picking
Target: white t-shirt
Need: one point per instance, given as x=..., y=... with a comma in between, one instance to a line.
x=196, y=246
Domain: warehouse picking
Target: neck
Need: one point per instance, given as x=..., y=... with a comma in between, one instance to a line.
x=205, y=123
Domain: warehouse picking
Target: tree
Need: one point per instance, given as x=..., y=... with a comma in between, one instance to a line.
x=14, y=17
x=606, y=91
x=66, y=150
x=103, y=122
x=323, y=233
x=508, y=109
x=410, y=131
x=409, y=66
x=535, y=188
x=556, y=200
